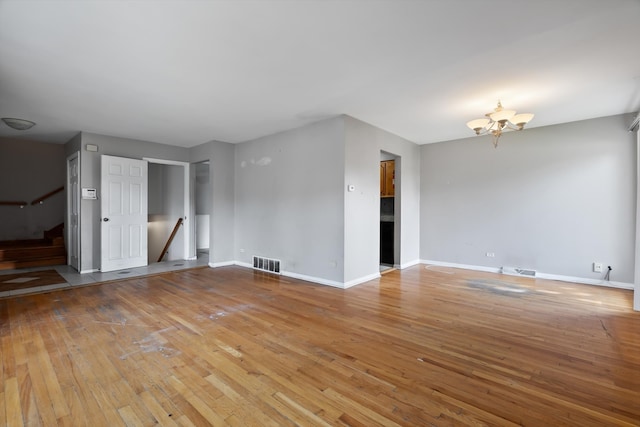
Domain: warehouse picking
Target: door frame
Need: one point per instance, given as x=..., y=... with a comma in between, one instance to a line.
x=397, y=206
x=71, y=237
x=636, y=279
x=187, y=253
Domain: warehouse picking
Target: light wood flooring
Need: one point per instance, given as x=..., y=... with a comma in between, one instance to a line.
x=424, y=346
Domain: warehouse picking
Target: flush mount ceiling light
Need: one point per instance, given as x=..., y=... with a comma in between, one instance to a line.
x=498, y=121
x=18, y=124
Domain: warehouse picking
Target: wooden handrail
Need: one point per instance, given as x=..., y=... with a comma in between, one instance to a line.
x=46, y=196
x=173, y=234
x=17, y=203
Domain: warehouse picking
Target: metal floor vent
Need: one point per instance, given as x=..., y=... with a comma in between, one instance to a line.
x=515, y=271
x=266, y=264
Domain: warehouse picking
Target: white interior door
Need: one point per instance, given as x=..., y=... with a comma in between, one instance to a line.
x=73, y=191
x=124, y=213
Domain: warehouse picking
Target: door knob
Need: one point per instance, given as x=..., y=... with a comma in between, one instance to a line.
x=105, y=219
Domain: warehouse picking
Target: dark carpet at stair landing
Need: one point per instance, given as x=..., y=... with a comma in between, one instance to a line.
x=31, y=279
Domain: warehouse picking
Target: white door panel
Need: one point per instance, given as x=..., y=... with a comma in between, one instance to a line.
x=124, y=213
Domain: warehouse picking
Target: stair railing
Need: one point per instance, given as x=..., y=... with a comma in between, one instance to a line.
x=173, y=234
x=14, y=203
x=41, y=199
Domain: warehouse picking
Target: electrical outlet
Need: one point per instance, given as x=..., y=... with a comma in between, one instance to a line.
x=597, y=267
x=491, y=254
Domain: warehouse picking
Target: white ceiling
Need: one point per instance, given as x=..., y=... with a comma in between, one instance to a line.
x=188, y=72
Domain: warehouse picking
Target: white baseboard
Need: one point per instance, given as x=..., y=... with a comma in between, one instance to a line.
x=222, y=264
x=585, y=281
x=463, y=266
x=407, y=264
x=313, y=279
x=360, y=280
x=539, y=275
x=304, y=277
x=93, y=270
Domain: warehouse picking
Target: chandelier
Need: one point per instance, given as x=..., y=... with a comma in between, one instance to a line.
x=498, y=121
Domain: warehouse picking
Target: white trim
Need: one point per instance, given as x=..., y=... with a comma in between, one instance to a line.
x=312, y=279
x=299, y=276
x=222, y=264
x=92, y=270
x=363, y=279
x=407, y=264
x=78, y=237
x=186, y=200
x=585, y=281
x=304, y=277
x=636, y=278
x=546, y=276
x=464, y=266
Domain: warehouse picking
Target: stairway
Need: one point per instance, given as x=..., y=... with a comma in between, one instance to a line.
x=50, y=250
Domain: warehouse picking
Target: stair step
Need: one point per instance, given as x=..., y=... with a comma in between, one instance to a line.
x=34, y=252
x=16, y=254
x=8, y=244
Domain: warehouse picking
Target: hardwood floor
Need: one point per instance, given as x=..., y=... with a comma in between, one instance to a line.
x=29, y=279
x=227, y=346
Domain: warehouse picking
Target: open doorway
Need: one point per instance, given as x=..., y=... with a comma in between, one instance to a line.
x=166, y=209
x=169, y=201
x=389, y=168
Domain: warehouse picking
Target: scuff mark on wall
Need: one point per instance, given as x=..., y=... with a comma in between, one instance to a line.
x=261, y=162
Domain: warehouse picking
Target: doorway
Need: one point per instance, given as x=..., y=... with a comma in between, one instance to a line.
x=389, y=189
x=170, y=186
x=166, y=212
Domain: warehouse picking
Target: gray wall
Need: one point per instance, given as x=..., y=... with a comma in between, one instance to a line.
x=554, y=199
x=202, y=189
x=221, y=158
x=363, y=146
x=90, y=178
x=290, y=199
x=29, y=170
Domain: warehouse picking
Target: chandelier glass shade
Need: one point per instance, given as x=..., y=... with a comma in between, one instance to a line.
x=499, y=121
